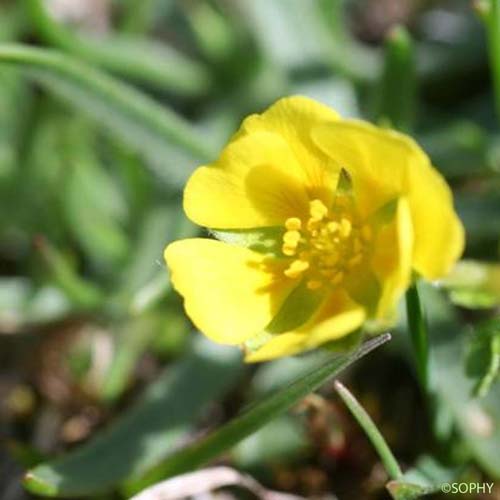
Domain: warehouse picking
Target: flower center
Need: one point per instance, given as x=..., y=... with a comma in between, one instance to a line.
x=328, y=245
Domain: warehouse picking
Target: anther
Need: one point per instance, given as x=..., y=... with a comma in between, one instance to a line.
x=317, y=210
x=296, y=268
x=314, y=284
x=289, y=250
x=291, y=238
x=345, y=227
x=293, y=224
x=332, y=226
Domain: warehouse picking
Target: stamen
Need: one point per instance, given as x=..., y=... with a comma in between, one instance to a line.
x=289, y=250
x=345, y=227
x=327, y=246
x=291, y=238
x=314, y=284
x=296, y=268
x=317, y=210
x=293, y=224
x=332, y=226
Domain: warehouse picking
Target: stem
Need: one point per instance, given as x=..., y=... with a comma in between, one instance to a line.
x=364, y=420
x=492, y=19
x=418, y=333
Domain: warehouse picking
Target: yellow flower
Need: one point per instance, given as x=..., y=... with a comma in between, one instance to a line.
x=322, y=222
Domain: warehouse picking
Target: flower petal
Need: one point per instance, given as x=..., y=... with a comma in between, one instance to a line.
x=293, y=118
x=439, y=233
x=338, y=317
x=267, y=173
x=383, y=165
x=229, y=293
x=256, y=182
x=392, y=259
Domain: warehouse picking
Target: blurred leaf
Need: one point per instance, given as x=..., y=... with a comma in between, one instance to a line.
x=21, y=304
x=424, y=479
x=478, y=212
x=473, y=419
x=345, y=54
x=259, y=414
x=161, y=225
x=398, y=84
x=94, y=208
x=283, y=440
x=130, y=343
x=290, y=32
x=474, y=284
x=82, y=293
x=483, y=360
x=157, y=424
x=459, y=149
x=136, y=58
x=143, y=285
x=171, y=146
x=216, y=35
x=336, y=92
x=139, y=16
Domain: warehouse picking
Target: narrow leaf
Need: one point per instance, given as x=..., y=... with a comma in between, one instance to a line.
x=155, y=426
x=258, y=415
x=161, y=136
x=131, y=57
x=419, y=335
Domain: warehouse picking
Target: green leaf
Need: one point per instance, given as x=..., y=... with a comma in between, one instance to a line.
x=136, y=58
x=483, y=359
x=283, y=440
x=298, y=307
x=397, y=91
x=470, y=418
x=424, y=479
x=419, y=334
x=171, y=146
x=258, y=415
x=473, y=284
x=159, y=423
x=84, y=294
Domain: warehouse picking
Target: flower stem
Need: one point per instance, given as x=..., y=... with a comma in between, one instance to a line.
x=419, y=334
x=364, y=420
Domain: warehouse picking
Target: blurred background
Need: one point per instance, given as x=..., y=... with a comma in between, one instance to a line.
x=98, y=133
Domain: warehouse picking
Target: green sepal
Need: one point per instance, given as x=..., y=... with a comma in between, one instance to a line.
x=267, y=240
x=297, y=309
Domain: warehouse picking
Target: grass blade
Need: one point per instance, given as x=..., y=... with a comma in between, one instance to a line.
x=257, y=415
x=131, y=57
x=366, y=423
x=160, y=135
x=419, y=334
